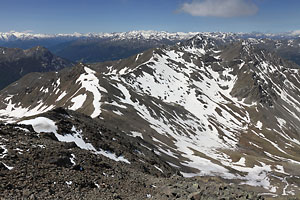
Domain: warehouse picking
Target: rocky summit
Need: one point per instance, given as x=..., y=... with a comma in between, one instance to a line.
x=79, y=158
x=213, y=116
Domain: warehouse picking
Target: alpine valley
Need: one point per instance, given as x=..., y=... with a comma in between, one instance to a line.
x=216, y=116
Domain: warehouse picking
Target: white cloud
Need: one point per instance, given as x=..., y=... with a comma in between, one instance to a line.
x=220, y=8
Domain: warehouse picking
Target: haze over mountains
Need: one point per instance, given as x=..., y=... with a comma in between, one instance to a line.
x=217, y=104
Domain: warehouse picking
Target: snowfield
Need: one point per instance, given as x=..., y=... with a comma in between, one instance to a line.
x=194, y=106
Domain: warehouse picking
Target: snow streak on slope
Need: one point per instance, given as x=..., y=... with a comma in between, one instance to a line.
x=14, y=111
x=43, y=124
x=179, y=88
x=90, y=82
x=215, y=118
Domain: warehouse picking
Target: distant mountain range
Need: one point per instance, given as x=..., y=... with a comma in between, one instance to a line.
x=213, y=105
x=94, y=47
x=158, y=35
x=99, y=47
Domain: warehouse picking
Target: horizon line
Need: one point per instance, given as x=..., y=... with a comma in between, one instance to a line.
x=296, y=32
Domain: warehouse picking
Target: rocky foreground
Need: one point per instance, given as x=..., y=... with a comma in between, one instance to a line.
x=39, y=166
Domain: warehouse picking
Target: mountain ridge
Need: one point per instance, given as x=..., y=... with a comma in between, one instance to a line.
x=93, y=161
x=99, y=47
x=208, y=108
x=117, y=35
x=15, y=63
x=146, y=34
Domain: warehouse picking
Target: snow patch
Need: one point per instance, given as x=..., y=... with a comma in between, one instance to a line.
x=112, y=156
x=69, y=183
x=259, y=125
x=241, y=162
x=91, y=83
x=136, y=134
x=72, y=159
x=62, y=95
x=159, y=169
x=117, y=112
x=23, y=129
x=41, y=124
x=4, y=153
x=78, y=101
x=8, y=167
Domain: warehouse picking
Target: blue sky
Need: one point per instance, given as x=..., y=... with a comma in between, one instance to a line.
x=68, y=16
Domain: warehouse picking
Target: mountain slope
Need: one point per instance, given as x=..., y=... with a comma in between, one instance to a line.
x=68, y=155
x=286, y=48
x=15, y=63
x=209, y=108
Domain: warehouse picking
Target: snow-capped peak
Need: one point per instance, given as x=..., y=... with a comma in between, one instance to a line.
x=157, y=35
x=140, y=34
